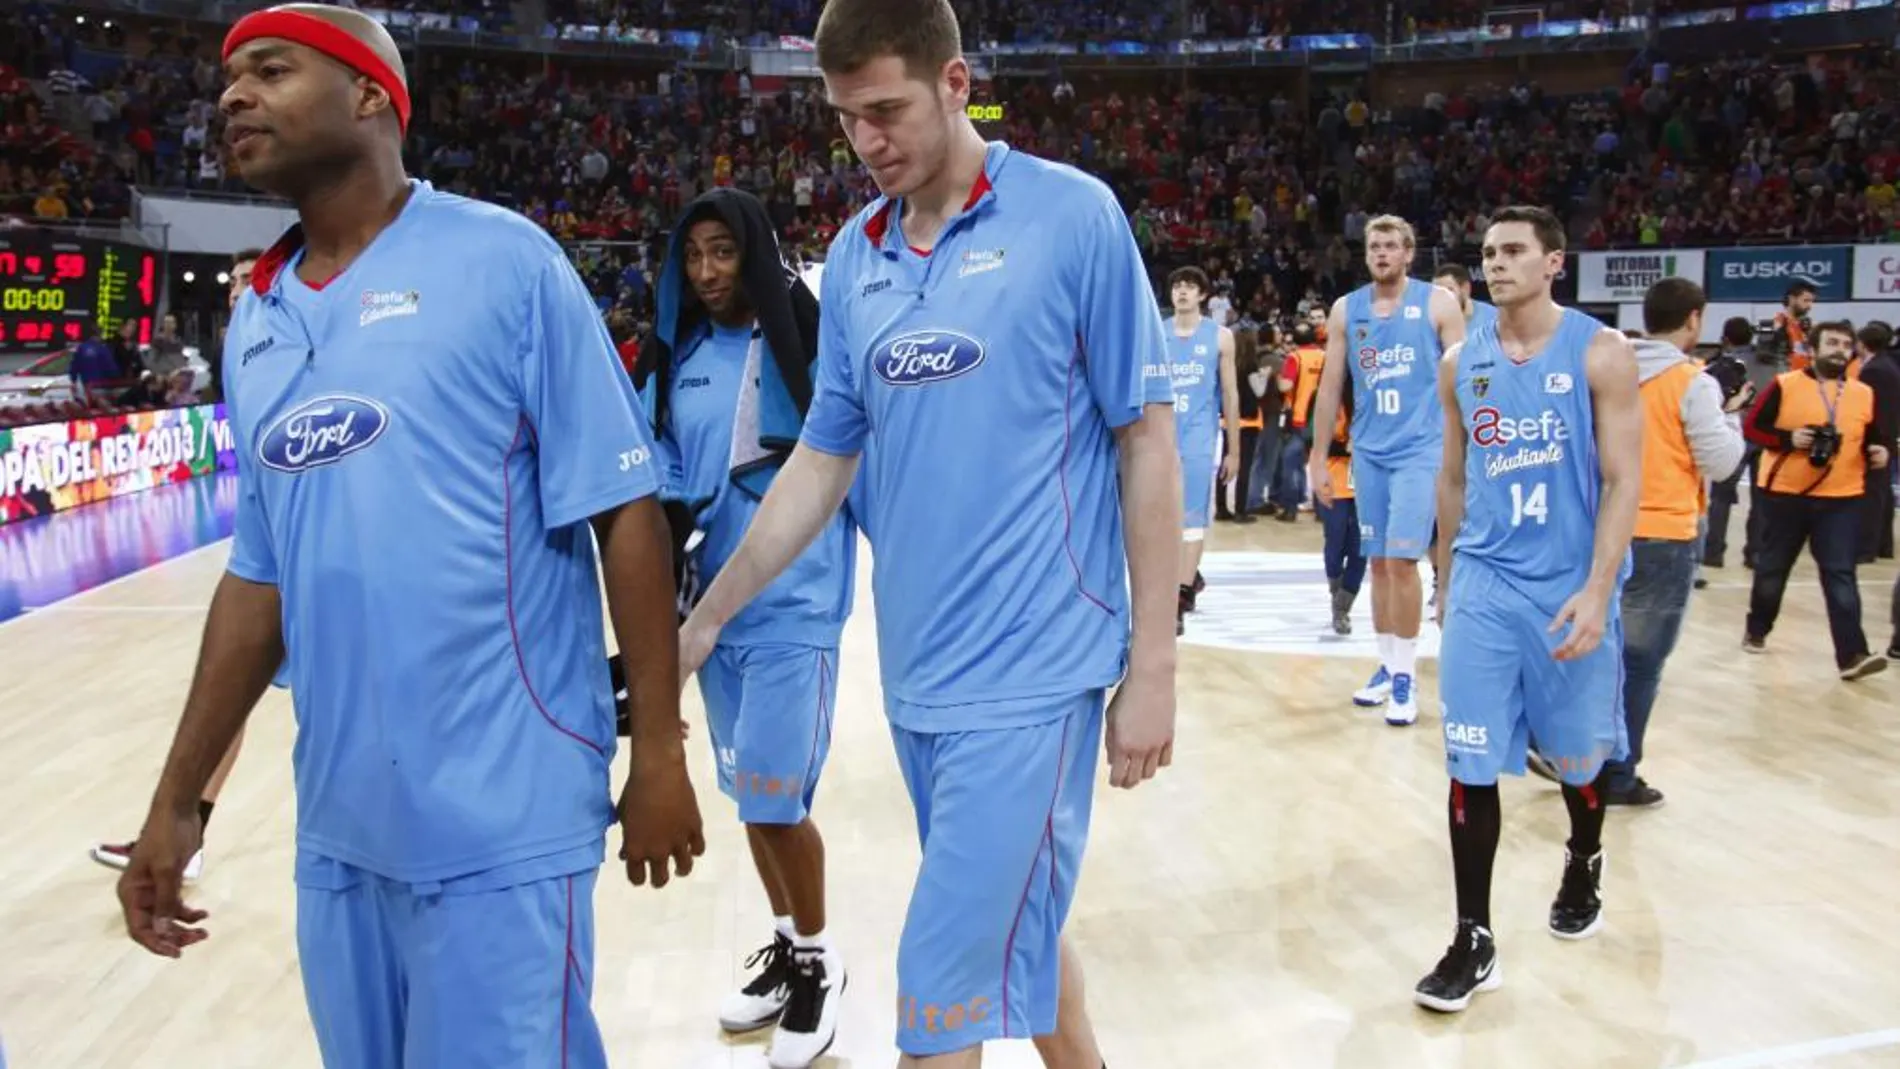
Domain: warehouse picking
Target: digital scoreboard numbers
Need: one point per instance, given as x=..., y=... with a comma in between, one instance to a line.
x=985, y=112
x=51, y=286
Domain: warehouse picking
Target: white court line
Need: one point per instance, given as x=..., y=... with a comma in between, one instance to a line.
x=66, y=602
x=1820, y=1048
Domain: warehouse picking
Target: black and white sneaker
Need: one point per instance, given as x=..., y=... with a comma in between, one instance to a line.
x=809, y=1024
x=763, y=998
x=1470, y=965
x=1577, y=912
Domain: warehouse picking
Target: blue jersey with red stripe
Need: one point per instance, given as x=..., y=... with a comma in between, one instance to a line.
x=982, y=385
x=421, y=442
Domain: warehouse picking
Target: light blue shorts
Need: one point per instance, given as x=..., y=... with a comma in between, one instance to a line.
x=769, y=711
x=1398, y=507
x=1004, y=817
x=1499, y=685
x=447, y=976
x=1197, y=490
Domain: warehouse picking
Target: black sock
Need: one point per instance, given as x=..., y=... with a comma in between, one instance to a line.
x=1475, y=822
x=1586, y=816
x=204, y=814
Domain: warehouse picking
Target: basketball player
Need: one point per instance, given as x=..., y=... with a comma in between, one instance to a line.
x=115, y=855
x=1206, y=399
x=727, y=379
x=991, y=354
x=1478, y=314
x=433, y=435
x=1538, y=498
x=1393, y=331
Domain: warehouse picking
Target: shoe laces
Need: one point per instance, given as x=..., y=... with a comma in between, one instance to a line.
x=806, y=1003
x=1579, y=886
x=774, y=960
x=1457, y=959
x=1401, y=689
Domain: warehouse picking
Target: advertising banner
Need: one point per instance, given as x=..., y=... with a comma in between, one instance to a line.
x=1623, y=277
x=48, y=467
x=1877, y=273
x=1764, y=274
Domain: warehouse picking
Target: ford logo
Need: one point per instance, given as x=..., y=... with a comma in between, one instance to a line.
x=322, y=430
x=926, y=356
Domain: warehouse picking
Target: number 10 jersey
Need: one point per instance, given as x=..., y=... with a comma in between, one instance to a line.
x=1397, y=421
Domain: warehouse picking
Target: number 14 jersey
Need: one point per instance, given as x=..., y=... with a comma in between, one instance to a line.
x=1532, y=479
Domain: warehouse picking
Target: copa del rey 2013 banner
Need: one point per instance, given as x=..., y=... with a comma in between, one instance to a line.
x=48, y=467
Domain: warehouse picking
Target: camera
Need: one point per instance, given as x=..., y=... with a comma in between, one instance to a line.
x=1826, y=444
x=1730, y=374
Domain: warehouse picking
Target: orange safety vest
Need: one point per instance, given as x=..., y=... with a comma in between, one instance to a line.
x=1312, y=360
x=1673, y=488
x=1798, y=355
x=1802, y=405
x=1340, y=468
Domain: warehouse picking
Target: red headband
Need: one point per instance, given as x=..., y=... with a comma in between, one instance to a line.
x=338, y=44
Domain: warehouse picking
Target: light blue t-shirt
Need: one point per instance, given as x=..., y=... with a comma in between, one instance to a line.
x=1397, y=418
x=1532, y=476
x=420, y=445
x=809, y=602
x=1194, y=362
x=982, y=385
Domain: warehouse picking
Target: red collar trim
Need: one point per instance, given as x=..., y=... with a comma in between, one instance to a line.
x=264, y=273
x=879, y=225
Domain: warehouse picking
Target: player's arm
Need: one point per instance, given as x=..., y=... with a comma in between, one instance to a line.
x=597, y=464
x=1451, y=470
x=1447, y=317
x=241, y=650
x=1229, y=403
x=242, y=646
x=1610, y=365
x=803, y=498
x=1126, y=362
x=1614, y=395
x=1332, y=382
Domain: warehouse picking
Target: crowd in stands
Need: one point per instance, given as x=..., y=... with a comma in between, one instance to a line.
x=1270, y=195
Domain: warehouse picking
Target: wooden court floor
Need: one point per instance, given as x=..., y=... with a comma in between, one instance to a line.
x=1268, y=903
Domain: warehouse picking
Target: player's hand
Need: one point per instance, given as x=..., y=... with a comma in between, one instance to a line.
x=659, y=819
x=1320, y=477
x=697, y=639
x=1229, y=467
x=1742, y=399
x=151, y=887
x=1587, y=613
x=1140, y=732
x=1802, y=438
x=1877, y=456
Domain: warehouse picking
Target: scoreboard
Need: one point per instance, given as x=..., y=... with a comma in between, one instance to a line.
x=52, y=285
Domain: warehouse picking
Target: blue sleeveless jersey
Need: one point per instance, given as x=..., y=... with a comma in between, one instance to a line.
x=1396, y=415
x=1532, y=480
x=1194, y=362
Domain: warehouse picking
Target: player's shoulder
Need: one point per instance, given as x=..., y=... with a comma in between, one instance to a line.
x=1057, y=192
x=504, y=237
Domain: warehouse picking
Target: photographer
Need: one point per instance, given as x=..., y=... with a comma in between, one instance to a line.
x=1818, y=438
x=1759, y=370
x=1880, y=370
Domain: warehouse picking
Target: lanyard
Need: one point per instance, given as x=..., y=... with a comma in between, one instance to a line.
x=1833, y=404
